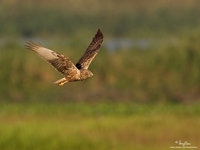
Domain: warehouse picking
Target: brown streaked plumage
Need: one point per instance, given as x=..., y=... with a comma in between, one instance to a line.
x=91, y=51
x=64, y=65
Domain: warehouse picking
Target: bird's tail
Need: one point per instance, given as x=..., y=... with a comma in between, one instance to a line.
x=61, y=82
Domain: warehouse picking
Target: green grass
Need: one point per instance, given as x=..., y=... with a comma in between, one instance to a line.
x=124, y=18
x=98, y=126
x=169, y=72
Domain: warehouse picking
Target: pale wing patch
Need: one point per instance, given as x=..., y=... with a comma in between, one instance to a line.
x=45, y=53
x=63, y=64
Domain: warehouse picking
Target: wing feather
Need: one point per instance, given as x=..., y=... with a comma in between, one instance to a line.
x=91, y=51
x=61, y=63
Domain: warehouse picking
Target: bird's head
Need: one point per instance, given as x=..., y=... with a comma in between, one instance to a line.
x=86, y=74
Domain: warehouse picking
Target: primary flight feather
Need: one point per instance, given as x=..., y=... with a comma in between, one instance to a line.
x=64, y=65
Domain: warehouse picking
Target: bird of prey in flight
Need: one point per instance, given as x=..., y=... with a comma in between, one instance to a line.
x=64, y=65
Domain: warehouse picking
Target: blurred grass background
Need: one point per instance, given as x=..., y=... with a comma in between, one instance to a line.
x=145, y=89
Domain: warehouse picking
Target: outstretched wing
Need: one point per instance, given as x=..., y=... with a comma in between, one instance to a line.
x=91, y=51
x=60, y=62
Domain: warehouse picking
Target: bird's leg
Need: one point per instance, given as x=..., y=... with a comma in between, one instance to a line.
x=61, y=81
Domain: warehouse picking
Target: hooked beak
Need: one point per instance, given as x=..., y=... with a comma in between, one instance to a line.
x=92, y=74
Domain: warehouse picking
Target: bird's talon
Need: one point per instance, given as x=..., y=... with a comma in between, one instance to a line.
x=60, y=84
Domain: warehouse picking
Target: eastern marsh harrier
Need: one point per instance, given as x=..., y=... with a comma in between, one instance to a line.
x=64, y=65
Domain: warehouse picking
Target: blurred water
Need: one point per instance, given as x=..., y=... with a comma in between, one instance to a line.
x=111, y=45
x=122, y=44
